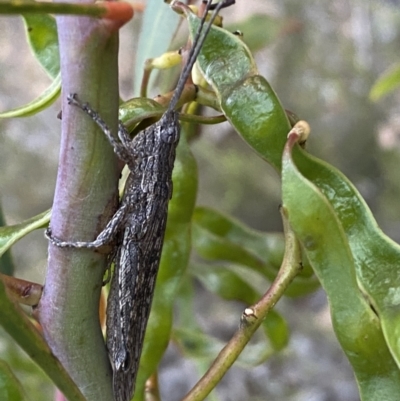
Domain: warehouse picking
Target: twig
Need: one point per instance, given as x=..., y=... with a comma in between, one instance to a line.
x=252, y=317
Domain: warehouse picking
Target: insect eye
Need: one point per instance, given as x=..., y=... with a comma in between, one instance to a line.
x=127, y=364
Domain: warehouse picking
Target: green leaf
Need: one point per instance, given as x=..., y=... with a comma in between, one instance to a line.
x=20, y=328
x=246, y=98
x=10, y=387
x=9, y=235
x=386, y=83
x=184, y=303
x=300, y=286
x=6, y=262
x=254, y=110
x=276, y=329
x=35, y=382
x=213, y=247
x=48, y=97
x=268, y=246
x=258, y=30
x=217, y=237
x=41, y=30
x=224, y=282
x=195, y=344
x=204, y=349
x=137, y=109
x=356, y=325
x=375, y=255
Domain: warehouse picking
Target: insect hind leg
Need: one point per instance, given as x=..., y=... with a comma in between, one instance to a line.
x=104, y=238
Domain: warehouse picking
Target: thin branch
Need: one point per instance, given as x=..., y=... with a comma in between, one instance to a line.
x=251, y=318
x=86, y=196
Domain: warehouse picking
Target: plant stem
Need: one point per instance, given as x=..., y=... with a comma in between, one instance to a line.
x=251, y=318
x=85, y=198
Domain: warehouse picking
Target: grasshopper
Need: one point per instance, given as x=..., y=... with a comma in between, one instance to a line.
x=138, y=226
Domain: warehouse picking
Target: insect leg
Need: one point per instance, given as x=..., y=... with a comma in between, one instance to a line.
x=124, y=136
x=118, y=147
x=104, y=238
x=227, y=3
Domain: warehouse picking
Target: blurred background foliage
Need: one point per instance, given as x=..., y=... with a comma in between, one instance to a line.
x=322, y=58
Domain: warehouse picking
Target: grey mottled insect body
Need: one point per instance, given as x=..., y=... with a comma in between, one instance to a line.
x=147, y=193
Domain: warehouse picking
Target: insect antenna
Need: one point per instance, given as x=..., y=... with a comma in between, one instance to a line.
x=198, y=42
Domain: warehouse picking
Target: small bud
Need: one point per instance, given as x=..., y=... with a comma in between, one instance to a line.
x=302, y=130
x=166, y=60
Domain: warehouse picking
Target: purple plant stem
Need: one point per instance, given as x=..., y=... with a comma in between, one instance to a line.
x=85, y=199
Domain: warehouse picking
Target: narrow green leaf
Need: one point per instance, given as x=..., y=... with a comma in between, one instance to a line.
x=213, y=247
x=6, y=262
x=224, y=282
x=203, y=348
x=386, y=83
x=41, y=31
x=268, y=246
x=20, y=328
x=9, y=235
x=138, y=109
x=36, y=384
x=276, y=330
x=196, y=344
x=300, y=286
x=48, y=97
x=10, y=387
x=217, y=237
x=42, y=37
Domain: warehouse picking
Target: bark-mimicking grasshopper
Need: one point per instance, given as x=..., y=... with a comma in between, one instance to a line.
x=138, y=226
